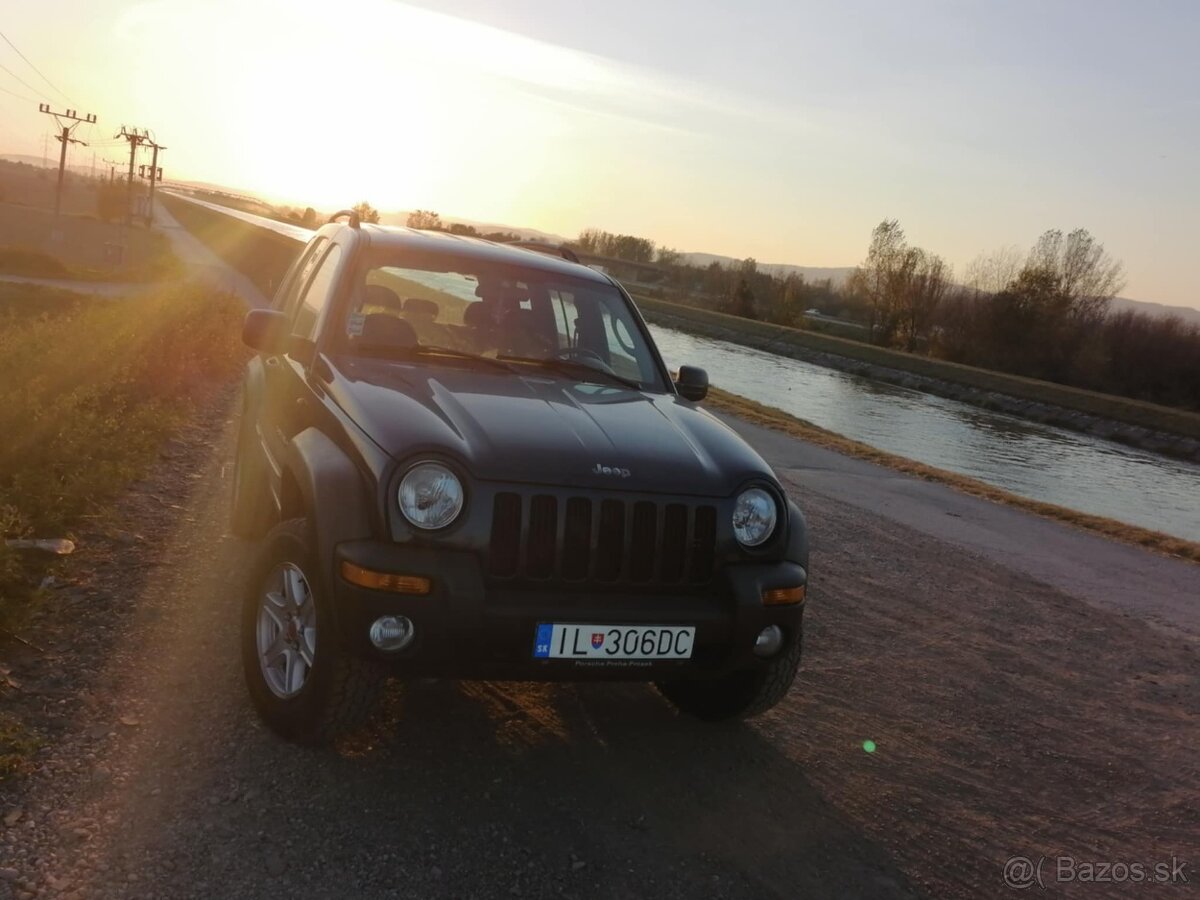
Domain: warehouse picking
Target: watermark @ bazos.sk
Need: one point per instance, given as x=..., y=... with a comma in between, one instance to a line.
x=1021, y=872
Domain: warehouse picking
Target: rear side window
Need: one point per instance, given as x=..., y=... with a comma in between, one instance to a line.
x=317, y=295
x=289, y=292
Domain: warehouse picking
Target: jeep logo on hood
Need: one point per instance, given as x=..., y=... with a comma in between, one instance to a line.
x=610, y=470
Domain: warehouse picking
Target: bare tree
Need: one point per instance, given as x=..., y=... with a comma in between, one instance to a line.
x=990, y=273
x=1087, y=276
x=923, y=280
x=875, y=280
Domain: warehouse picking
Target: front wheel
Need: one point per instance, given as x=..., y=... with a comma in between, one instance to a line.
x=304, y=685
x=737, y=696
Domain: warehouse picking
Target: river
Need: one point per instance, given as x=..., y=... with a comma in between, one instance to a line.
x=1043, y=462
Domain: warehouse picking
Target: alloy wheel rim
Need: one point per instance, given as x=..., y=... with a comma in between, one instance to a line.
x=286, y=632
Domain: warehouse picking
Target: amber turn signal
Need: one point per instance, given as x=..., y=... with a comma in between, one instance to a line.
x=784, y=596
x=385, y=581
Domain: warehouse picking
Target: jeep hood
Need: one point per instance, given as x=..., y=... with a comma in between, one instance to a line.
x=544, y=429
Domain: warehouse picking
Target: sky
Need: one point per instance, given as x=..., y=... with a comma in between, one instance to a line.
x=779, y=129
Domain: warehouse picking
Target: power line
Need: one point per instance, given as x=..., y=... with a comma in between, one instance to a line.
x=18, y=96
x=24, y=82
x=32, y=66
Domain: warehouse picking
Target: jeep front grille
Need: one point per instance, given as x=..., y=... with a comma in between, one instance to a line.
x=541, y=537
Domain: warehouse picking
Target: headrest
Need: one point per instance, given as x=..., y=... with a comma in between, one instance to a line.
x=378, y=295
x=477, y=315
x=418, y=306
x=383, y=330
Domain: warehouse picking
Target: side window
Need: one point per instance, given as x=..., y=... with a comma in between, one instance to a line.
x=626, y=356
x=289, y=291
x=565, y=317
x=320, y=289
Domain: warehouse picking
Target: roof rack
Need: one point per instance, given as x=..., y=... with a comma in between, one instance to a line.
x=545, y=247
x=355, y=221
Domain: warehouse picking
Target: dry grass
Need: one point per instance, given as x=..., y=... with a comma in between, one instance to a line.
x=155, y=261
x=91, y=391
x=761, y=414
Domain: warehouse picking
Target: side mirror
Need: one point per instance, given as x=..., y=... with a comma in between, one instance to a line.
x=692, y=383
x=265, y=330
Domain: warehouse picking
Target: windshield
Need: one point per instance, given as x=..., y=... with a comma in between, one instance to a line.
x=448, y=307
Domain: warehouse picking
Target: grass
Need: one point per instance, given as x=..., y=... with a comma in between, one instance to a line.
x=794, y=342
x=760, y=414
x=92, y=390
x=156, y=262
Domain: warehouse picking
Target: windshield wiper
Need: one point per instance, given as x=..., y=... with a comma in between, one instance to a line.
x=572, y=367
x=435, y=350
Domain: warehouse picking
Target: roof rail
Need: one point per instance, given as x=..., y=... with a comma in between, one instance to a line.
x=545, y=247
x=355, y=221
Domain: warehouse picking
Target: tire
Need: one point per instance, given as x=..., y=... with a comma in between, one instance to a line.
x=314, y=691
x=251, y=512
x=740, y=695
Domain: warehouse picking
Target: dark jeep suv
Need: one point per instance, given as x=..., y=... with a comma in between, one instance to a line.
x=467, y=460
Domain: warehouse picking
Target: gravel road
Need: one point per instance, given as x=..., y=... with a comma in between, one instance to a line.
x=1009, y=717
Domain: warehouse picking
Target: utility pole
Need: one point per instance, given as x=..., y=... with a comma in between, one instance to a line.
x=155, y=176
x=136, y=139
x=73, y=121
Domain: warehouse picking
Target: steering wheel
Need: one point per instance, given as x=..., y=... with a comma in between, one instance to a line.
x=584, y=355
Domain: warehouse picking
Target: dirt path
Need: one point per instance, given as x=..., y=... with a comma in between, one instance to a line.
x=1009, y=718
x=202, y=263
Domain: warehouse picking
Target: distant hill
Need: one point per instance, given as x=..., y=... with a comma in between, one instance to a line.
x=25, y=158
x=400, y=217
x=837, y=275
x=1189, y=315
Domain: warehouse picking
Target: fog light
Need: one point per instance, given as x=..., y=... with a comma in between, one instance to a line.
x=391, y=633
x=768, y=642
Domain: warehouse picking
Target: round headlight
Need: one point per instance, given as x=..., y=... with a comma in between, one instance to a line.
x=431, y=496
x=754, y=517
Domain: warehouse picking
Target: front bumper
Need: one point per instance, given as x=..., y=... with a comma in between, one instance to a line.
x=468, y=628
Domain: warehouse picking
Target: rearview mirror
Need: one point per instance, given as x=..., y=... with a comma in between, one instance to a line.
x=692, y=383
x=265, y=330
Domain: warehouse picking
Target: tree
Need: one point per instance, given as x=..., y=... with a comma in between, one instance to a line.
x=990, y=273
x=1087, y=277
x=741, y=303
x=366, y=212
x=426, y=220
x=668, y=257
x=924, y=280
x=309, y=218
x=875, y=279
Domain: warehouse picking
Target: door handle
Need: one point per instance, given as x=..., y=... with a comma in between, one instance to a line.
x=273, y=361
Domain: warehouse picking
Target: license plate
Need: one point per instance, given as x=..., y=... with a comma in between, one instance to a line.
x=555, y=641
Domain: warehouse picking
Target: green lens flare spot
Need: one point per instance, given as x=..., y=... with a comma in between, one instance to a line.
x=869, y=746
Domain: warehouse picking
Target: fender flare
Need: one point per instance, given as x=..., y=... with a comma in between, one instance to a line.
x=797, y=542
x=333, y=494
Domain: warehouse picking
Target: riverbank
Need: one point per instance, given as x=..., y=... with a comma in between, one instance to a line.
x=1159, y=429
